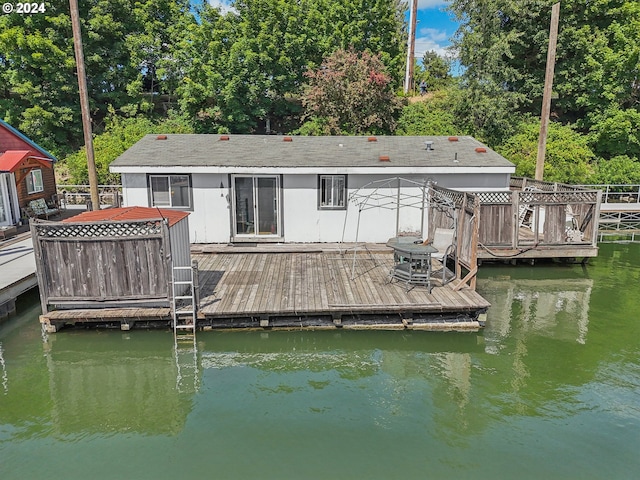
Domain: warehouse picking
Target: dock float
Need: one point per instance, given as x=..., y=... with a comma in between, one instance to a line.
x=311, y=289
x=18, y=273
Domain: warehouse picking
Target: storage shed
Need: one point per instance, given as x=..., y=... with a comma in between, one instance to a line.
x=113, y=258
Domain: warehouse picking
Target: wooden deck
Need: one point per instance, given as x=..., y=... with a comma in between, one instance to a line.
x=316, y=289
x=295, y=286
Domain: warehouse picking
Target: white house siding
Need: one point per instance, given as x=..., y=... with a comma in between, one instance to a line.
x=302, y=221
x=209, y=221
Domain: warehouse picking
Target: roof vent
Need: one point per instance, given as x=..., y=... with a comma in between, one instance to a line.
x=224, y=138
x=481, y=150
x=372, y=139
x=287, y=139
x=429, y=144
x=385, y=158
x=453, y=139
x=161, y=137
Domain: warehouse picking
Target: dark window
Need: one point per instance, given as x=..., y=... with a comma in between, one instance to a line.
x=173, y=191
x=332, y=192
x=34, y=181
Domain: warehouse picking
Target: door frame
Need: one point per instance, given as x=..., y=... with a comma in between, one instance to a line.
x=9, y=195
x=256, y=237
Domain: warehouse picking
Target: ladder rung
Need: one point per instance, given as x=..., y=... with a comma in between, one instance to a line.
x=185, y=282
x=185, y=327
x=183, y=297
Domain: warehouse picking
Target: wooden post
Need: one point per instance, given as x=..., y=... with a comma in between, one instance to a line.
x=411, y=47
x=548, y=86
x=84, y=104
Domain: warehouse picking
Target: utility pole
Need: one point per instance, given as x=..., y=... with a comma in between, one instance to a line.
x=408, y=79
x=548, y=87
x=84, y=104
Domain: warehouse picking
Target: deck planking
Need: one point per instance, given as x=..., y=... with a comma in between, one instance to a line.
x=314, y=288
x=317, y=284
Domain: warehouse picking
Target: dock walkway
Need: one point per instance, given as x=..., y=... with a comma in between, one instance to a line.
x=17, y=271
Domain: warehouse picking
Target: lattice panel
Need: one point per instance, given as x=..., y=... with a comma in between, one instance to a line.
x=494, y=198
x=557, y=198
x=455, y=197
x=99, y=230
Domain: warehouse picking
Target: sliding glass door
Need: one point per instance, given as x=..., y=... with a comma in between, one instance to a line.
x=8, y=200
x=255, y=205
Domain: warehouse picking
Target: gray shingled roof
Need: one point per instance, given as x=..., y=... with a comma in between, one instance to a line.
x=334, y=151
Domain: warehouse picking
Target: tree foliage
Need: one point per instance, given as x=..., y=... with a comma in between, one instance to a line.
x=351, y=93
x=503, y=46
x=120, y=134
x=433, y=116
x=568, y=157
x=434, y=70
x=123, y=43
x=246, y=67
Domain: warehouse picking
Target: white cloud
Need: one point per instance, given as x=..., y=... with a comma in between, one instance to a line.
x=423, y=4
x=425, y=44
x=433, y=33
x=223, y=5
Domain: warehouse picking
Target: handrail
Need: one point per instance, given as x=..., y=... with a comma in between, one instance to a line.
x=617, y=192
x=80, y=194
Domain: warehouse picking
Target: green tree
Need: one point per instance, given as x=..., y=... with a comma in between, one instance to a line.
x=618, y=170
x=38, y=82
x=435, y=70
x=568, y=157
x=433, y=116
x=618, y=133
x=503, y=46
x=246, y=67
x=37, y=90
x=351, y=94
x=120, y=134
x=484, y=47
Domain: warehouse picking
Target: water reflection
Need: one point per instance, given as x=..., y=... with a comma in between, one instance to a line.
x=554, y=308
x=116, y=383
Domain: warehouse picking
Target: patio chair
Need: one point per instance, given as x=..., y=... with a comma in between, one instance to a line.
x=444, y=242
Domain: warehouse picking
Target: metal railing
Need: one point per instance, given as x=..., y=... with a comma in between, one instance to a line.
x=617, y=193
x=80, y=195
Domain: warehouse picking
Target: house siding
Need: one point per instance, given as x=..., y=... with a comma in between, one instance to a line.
x=9, y=141
x=48, y=182
x=302, y=221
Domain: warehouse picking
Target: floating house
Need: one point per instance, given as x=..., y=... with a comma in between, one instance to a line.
x=256, y=188
x=26, y=177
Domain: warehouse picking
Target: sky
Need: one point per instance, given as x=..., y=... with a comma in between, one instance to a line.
x=434, y=26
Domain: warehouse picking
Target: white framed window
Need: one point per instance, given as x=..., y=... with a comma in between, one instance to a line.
x=173, y=191
x=34, y=181
x=332, y=192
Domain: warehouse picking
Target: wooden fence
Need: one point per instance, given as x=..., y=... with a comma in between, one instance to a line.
x=539, y=214
x=102, y=264
x=460, y=211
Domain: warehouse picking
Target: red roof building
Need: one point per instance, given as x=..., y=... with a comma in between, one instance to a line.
x=26, y=174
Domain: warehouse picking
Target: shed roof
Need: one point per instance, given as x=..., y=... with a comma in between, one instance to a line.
x=269, y=151
x=129, y=213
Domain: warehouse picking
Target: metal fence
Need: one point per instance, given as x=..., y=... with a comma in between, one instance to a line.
x=80, y=195
x=617, y=193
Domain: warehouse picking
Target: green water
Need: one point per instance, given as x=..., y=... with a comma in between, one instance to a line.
x=550, y=389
